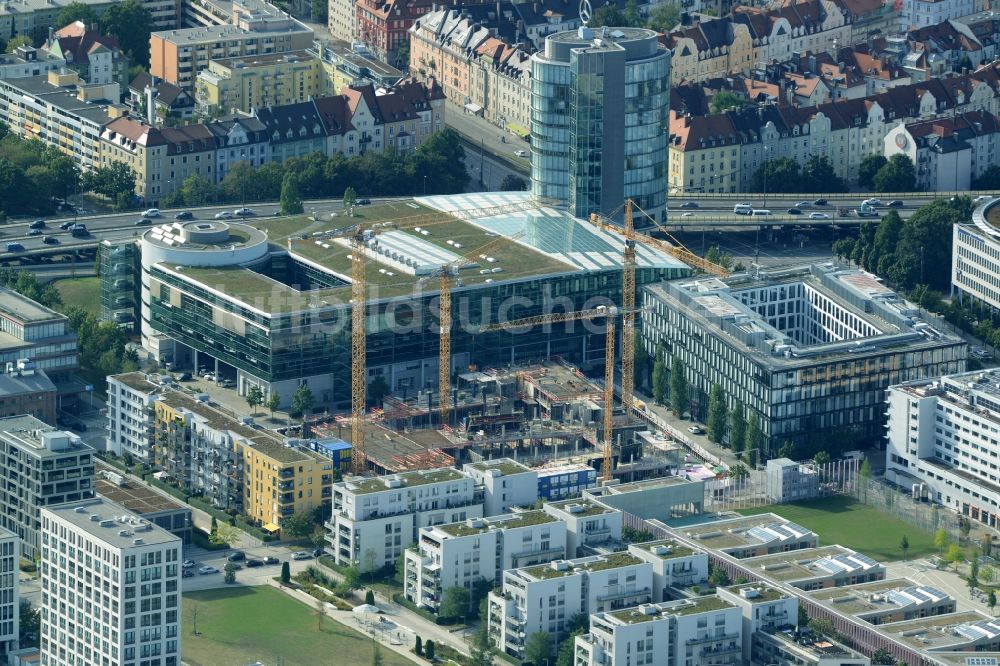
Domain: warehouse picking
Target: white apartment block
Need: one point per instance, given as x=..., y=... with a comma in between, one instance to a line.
x=975, y=261
x=763, y=608
x=943, y=440
x=130, y=415
x=922, y=13
x=691, y=632
x=375, y=519
x=10, y=556
x=110, y=588
x=505, y=483
x=479, y=549
x=543, y=598
x=674, y=565
x=44, y=467
x=589, y=525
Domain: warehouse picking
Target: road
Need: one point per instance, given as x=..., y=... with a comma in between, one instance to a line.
x=489, y=150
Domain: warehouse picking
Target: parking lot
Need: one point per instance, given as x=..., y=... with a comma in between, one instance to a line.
x=245, y=576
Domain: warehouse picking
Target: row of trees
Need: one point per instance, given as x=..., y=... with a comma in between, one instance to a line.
x=896, y=174
x=663, y=17
x=441, y=157
x=901, y=250
x=785, y=175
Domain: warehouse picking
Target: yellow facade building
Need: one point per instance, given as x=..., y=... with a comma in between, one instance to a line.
x=248, y=82
x=279, y=481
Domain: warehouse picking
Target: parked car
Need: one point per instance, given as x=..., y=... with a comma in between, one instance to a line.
x=50, y=240
x=188, y=564
x=301, y=555
x=820, y=202
x=794, y=211
x=980, y=353
x=243, y=212
x=184, y=215
x=152, y=212
x=319, y=552
x=227, y=383
x=224, y=215
x=271, y=560
x=187, y=573
x=252, y=563
x=696, y=430
x=896, y=203
x=521, y=153
x=207, y=569
x=690, y=204
x=818, y=216
x=237, y=556
x=37, y=224
x=184, y=377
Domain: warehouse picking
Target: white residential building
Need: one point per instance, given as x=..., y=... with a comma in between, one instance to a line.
x=110, y=587
x=943, y=439
x=544, y=598
x=375, y=519
x=690, y=632
x=674, y=565
x=922, y=13
x=588, y=525
x=10, y=556
x=764, y=608
x=975, y=264
x=506, y=483
x=479, y=550
x=130, y=414
x=45, y=467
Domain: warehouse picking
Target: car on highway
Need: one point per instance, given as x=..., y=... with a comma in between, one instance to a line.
x=688, y=214
x=243, y=212
x=207, y=569
x=15, y=247
x=271, y=560
x=188, y=564
x=819, y=216
x=690, y=204
x=794, y=211
x=66, y=225
x=896, y=203
x=237, y=556
x=521, y=153
x=363, y=202
x=804, y=204
x=252, y=563
x=50, y=240
x=980, y=353
x=820, y=202
x=224, y=215
x=872, y=201
x=184, y=215
x=37, y=224
x=696, y=430
x=143, y=221
x=187, y=573
x=151, y=212
x=302, y=555
x=35, y=232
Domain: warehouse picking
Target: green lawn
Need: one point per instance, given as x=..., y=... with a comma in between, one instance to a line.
x=240, y=625
x=84, y=292
x=845, y=521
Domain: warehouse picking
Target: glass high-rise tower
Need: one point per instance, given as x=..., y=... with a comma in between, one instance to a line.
x=599, y=120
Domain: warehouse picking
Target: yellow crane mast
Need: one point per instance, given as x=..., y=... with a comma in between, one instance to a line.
x=628, y=311
x=609, y=363
x=358, y=354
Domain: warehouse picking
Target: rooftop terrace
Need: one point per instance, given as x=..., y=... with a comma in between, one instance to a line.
x=745, y=531
x=506, y=467
x=510, y=521
x=363, y=486
x=880, y=596
x=588, y=564
x=580, y=508
x=807, y=563
x=665, y=549
x=761, y=593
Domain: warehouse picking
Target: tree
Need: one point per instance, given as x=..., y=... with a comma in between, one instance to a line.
x=823, y=628
x=291, y=202
x=896, y=175
x=429, y=650
x=377, y=659
x=883, y=656
x=320, y=11
x=754, y=437
x=782, y=174
x=659, y=379
x=739, y=472
x=302, y=400
x=870, y=165
x=286, y=574
x=131, y=23
x=224, y=535
x=30, y=626
x=273, y=401
x=64, y=176
x=607, y=16
x=196, y=190
x=941, y=540
x=974, y=572
x=725, y=100
x=882, y=253
x=213, y=526
x=818, y=175
x=987, y=574
x=955, y=554
x=989, y=180
x=737, y=428
x=20, y=40
x=370, y=597
x=352, y=579
x=481, y=651
x=640, y=361
x=965, y=525
x=538, y=647
x=418, y=646
x=718, y=414
x=297, y=525
x=904, y=545
x=664, y=16
x=821, y=458
x=255, y=398
x=441, y=154
x=632, y=16
x=229, y=576
x=991, y=600
x=512, y=183
x=718, y=577
x=76, y=11
x=112, y=181
x=454, y=602
x=350, y=198
x=678, y=387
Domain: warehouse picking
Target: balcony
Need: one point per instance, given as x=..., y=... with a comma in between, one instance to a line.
x=719, y=651
x=611, y=596
x=712, y=639
x=286, y=485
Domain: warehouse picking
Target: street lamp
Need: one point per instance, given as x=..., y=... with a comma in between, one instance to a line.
x=243, y=185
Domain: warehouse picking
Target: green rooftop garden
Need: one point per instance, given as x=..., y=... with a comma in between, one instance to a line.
x=588, y=508
x=505, y=467
x=765, y=592
x=407, y=480
x=677, y=549
x=701, y=605
x=526, y=519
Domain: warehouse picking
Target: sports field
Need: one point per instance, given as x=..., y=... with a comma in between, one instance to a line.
x=845, y=521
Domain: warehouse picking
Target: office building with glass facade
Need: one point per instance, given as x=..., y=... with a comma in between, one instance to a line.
x=222, y=296
x=599, y=120
x=810, y=350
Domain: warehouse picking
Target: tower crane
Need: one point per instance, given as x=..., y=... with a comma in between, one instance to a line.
x=610, y=314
